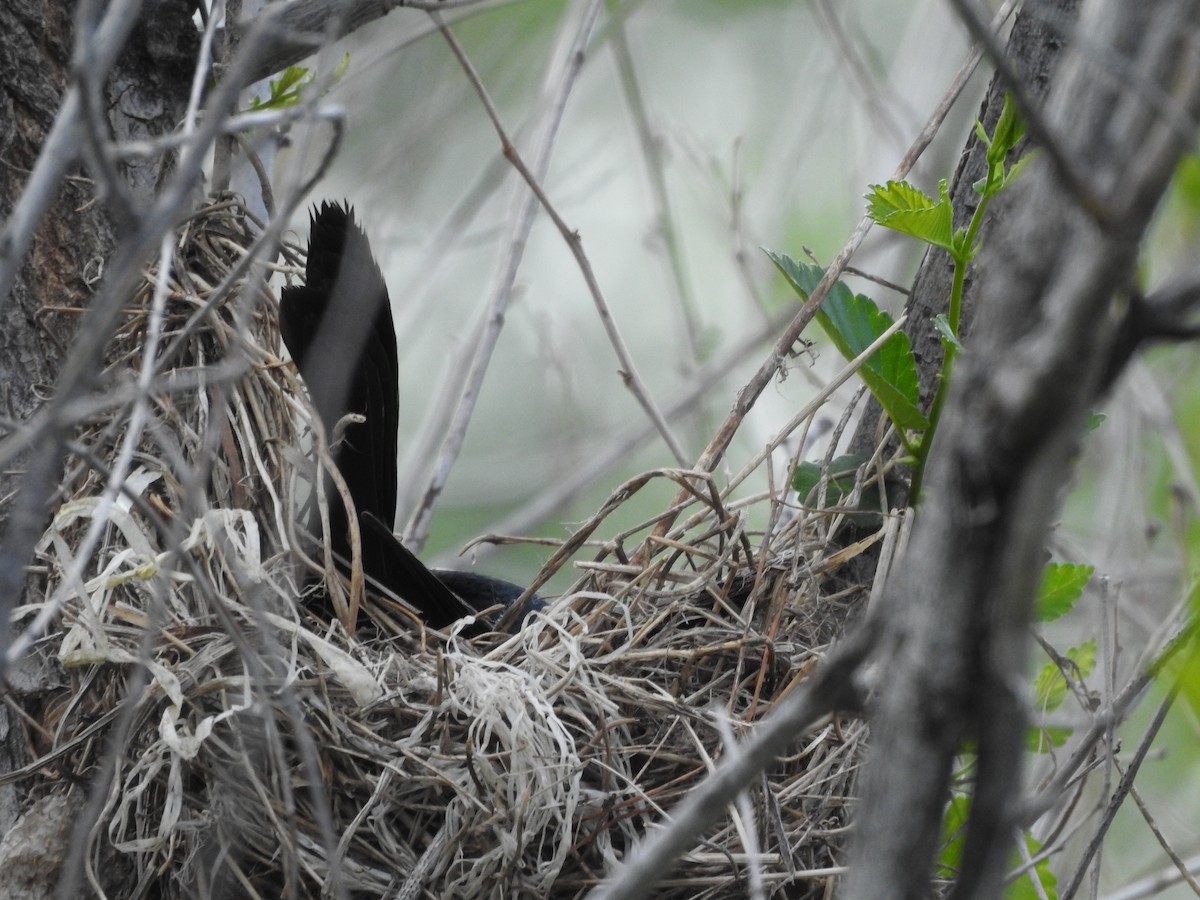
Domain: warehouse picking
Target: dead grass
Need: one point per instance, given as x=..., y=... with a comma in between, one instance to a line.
x=243, y=748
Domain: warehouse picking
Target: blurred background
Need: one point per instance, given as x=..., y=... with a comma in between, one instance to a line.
x=696, y=133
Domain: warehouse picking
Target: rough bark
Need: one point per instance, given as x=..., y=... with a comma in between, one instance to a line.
x=957, y=610
x=67, y=252
x=56, y=280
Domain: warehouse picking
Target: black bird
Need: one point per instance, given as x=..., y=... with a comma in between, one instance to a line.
x=338, y=328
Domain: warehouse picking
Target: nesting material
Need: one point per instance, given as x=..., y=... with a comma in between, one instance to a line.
x=236, y=746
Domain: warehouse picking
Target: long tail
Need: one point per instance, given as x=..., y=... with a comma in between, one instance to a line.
x=338, y=327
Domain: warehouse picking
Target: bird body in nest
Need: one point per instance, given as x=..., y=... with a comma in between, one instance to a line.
x=338, y=328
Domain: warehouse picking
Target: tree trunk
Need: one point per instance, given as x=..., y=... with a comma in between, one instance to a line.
x=69, y=240
x=957, y=609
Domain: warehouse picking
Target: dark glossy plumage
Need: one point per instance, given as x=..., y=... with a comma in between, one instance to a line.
x=338, y=328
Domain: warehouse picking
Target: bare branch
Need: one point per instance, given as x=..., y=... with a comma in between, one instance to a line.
x=305, y=26
x=959, y=606
x=482, y=356
x=749, y=394
x=1118, y=797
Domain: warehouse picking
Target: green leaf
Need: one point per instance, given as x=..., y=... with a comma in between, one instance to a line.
x=342, y=66
x=1062, y=584
x=954, y=827
x=865, y=513
x=292, y=77
x=1047, y=737
x=982, y=134
x=1095, y=420
x=1185, y=191
x=900, y=206
x=285, y=90
x=842, y=472
x=1023, y=888
x=853, y=322
x=1084, y=656
x=1016, y=168
x=949, y=338
x=960, y=246
x=1183, y=668
x=1010, y=128
x=1050, y=687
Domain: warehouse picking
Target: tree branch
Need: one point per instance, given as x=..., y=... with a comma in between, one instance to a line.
x=305, y=26
x=958, y=608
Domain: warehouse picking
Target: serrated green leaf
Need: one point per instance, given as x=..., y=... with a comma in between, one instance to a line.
x=1084, y=656
x=1049, y=688
x=853, y=322
x=900, y=206
x=895, y=197
x=1062, y=584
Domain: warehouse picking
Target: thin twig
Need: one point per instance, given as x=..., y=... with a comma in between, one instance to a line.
x=493, y=320
x=749, y=394
x=1084, y=865
x=629, y=372
x=857, y=71
x=1181, y=865
x=652, y=156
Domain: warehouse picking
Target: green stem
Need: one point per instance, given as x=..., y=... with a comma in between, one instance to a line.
x=967, y=253
x=953, y=316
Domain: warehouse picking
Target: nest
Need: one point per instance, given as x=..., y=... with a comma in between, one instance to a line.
x=221, y=741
